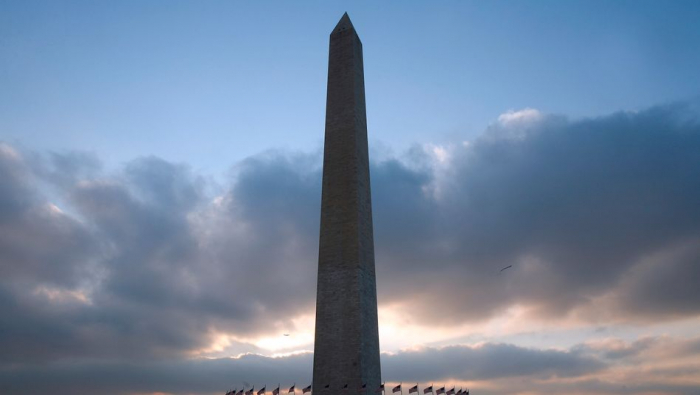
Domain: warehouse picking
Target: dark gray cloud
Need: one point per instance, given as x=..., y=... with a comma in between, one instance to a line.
x=177, y=377
x=206, y=376
x=142, y=263
x=573, y=206
x=598, y=217
x=491, y=367
x=663, y=285
x=37, y=243
x=487, y=362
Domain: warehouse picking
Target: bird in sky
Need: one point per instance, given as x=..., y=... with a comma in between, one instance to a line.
x=507, y=267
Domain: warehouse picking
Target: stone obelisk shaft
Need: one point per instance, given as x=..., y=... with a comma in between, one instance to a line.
x=346, y=348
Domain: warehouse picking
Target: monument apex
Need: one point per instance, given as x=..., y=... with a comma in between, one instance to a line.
x=346, y=347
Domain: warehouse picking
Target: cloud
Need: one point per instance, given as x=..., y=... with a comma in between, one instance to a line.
x=524, y=116
x=662, y=284
x=485, y=362
x=159, y=270
x=153, y=262
x=574, y=206
x=485, y=368
x=204, y=376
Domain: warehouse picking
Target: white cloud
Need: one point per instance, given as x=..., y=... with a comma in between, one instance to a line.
x=520, y=117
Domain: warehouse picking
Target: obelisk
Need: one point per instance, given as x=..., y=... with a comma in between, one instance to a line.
x=346, y=348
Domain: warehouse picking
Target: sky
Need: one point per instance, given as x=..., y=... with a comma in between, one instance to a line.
x=160, y=173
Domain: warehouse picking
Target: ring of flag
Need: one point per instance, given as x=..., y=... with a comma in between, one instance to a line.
x=380, y=389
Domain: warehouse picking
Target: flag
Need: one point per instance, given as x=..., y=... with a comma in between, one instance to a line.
x=364, y=388
x=380, y=389
x=240, y=392
x=250, y=392
x=262, y=391
x=450, y=392
x=467, y=393
x=396, y=389
x=459, y=392
x=291, y=389
x=305, y=390
x=428, y=390
x=276, y=391
x=413, y=389
x=440, y=391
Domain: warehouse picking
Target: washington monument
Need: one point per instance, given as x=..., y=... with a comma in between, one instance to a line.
x=346, y=348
